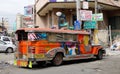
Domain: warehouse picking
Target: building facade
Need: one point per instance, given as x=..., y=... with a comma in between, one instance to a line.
x=46, y=12
x=26, y=19
x=19, y=21
x=4, y=26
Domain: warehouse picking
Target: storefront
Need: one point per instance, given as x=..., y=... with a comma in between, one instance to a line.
x=47, y=14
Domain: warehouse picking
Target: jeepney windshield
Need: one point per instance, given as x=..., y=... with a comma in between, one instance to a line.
x=21, y=35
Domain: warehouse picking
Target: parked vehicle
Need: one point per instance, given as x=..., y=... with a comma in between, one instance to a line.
x=7, y=47
x=41, y=45
x=6, y=39
x=115, y=46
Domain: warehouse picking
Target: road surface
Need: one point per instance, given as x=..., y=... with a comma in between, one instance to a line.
x=109, y=65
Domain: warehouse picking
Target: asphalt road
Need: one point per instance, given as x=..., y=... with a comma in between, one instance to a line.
x=109, y=65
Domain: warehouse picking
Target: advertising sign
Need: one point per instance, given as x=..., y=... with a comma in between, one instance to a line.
x=97, y=17
x=90, y=24
x=28, y=10
x=86, y=15
x=85, y=5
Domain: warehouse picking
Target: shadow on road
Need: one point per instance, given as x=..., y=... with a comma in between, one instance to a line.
x=65, y=63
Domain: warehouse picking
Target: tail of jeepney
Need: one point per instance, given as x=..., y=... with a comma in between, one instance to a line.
x=37, y=45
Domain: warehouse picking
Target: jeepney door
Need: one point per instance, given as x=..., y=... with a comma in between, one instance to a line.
x=85, y=44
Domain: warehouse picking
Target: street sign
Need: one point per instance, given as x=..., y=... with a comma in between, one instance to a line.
x=86, y=15
x=97, y=17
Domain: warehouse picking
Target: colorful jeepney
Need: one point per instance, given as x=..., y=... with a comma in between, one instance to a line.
x=41, y=45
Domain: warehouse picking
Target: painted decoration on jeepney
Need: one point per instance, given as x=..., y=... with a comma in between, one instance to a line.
x=86, y=40
x=37, y=36
x=47, y=48
x=71, y=48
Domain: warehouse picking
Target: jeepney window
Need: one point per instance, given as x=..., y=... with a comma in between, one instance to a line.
x=55, y=37
x=37, y=36
x=70, y=37
x=22, y=36
x=60, y=37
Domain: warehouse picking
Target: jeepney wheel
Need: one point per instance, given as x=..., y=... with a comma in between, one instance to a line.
x=100, y=55
x=58, y=59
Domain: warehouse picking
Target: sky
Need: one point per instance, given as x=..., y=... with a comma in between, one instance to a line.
x=9, y=8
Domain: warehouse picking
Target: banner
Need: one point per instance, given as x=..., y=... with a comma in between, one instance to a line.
x=97, y=17
x=86, y=15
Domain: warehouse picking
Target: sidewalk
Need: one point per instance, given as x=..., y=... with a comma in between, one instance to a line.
x=112, y=52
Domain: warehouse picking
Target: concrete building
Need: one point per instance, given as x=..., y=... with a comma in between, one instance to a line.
x=23, y=21
x=19, y=21
x=26, y=19
x=4, y=25
x=46, y=12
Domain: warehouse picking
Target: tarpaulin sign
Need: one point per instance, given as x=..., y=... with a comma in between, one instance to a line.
x=90, y=24
x=86, y=15
x=97, y=17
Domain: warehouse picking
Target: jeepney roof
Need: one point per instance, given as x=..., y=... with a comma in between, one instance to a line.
x=52, y=30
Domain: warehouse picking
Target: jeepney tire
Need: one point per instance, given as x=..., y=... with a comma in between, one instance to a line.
x=58, y=59
x=9, y=50
x=100, y=55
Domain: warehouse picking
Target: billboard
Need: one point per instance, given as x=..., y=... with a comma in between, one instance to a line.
x=28, y=10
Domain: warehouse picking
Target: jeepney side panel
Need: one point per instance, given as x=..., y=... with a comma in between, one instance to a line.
x=48, y=49
x=95, y=49
x=84, y=42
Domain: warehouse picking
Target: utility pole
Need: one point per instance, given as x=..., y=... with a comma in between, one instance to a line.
x=96, y=6
x=96, y=41
x=78, y=7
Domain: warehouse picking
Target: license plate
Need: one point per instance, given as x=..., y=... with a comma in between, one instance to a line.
x=23, y=63
x=39, y=55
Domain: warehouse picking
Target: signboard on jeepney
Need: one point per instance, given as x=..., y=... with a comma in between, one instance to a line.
x=86, y=15
x=97, y=17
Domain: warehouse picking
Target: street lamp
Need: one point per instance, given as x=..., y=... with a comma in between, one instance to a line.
x=58, y=14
